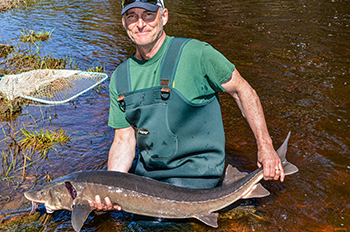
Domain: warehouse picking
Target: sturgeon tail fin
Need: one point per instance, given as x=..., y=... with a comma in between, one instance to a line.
x=287, y=167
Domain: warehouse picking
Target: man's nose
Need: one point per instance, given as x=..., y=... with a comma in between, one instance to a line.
x=141, y=23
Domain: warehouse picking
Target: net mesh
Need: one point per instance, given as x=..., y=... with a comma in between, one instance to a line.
x=50, y=86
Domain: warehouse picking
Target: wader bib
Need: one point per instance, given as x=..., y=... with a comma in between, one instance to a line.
x=180, y=142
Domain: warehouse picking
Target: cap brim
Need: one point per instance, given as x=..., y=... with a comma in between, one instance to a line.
x=146, y=6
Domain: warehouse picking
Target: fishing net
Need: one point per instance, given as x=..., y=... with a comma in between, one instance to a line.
x=50, y=86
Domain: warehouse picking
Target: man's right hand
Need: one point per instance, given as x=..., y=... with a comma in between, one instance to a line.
x=99, y=206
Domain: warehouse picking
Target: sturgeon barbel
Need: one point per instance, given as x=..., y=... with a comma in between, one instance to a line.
x=149, y=197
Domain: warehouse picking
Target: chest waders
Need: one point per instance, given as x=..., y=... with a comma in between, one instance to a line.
x=180, y=142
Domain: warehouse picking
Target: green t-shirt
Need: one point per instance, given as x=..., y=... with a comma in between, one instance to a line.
x=200, y=72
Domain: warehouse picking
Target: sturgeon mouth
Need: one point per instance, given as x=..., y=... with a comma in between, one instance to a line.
x=30, y=195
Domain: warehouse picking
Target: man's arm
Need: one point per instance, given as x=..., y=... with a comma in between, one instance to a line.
x=250, y=106
x=121, y=156
x=122, y=151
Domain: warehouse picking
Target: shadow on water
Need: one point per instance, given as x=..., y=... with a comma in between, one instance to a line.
x=294, y=53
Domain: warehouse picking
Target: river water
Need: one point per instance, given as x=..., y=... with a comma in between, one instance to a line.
x=296, y=55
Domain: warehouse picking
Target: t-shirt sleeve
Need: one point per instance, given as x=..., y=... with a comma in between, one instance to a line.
x=216, y=66
x=116, y=118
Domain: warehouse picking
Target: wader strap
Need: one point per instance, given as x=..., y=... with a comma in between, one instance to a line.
x=123, y=78
x=170, y=61
x=123, y=82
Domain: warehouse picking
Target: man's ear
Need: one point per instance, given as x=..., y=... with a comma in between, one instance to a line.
x=123, y=21
x=165, y=16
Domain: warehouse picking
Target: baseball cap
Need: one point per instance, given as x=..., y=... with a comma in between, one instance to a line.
x=151, y=5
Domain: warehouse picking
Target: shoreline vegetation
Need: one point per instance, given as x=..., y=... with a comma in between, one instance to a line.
x=24, y=144
x=6, y=5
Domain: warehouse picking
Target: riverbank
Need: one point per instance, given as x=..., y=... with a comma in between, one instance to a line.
x=6, y=5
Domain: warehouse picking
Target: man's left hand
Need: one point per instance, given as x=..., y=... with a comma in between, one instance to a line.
x=271, y=163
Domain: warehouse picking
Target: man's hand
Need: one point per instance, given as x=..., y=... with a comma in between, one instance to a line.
x=98, y=206
x=271, y=163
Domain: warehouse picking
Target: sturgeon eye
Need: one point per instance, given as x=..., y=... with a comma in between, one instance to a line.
x=71, y=190
x=40, y=194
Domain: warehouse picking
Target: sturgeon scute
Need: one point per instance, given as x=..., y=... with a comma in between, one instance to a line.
x=149, y=197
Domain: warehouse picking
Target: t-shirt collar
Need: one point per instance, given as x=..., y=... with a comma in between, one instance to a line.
x=157, y=56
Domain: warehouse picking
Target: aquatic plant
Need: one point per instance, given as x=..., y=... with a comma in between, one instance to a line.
x=95, y=69
x=42, y=140
x=24, y=146
x=32, y=37
x=10, y=4
x=26, y=60
x=6, y=5
x=5, y=49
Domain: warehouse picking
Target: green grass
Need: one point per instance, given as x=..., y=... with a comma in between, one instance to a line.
x=32, y=37
x=42, y=140
x=24, y=146
x=6, y=5
x=5, y=49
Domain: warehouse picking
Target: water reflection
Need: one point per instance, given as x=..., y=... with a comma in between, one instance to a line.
x=294, y=53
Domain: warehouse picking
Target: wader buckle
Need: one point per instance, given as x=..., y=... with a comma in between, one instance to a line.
x=165, y=93
x=121, y=102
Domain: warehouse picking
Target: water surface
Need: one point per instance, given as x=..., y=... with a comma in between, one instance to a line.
x=294, y=53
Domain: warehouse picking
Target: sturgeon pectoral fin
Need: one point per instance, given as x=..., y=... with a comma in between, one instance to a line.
x=209, y=219
x=257, y=191
x=81, y=211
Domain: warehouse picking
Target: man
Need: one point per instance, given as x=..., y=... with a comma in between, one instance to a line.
x=167, y=91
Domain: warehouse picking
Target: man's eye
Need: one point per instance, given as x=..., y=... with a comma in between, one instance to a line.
x=149, y=16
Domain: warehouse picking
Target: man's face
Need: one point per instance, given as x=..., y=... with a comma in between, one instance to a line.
x=144, y=27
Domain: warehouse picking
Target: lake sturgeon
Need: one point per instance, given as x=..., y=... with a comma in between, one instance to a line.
x=145, y=196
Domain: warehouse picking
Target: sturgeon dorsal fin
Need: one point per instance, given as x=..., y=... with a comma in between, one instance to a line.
x=81, y=211
x=232, y=174
x=210, y=219
x=257, y=191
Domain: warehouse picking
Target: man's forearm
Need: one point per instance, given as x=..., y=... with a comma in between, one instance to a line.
x=253, y=112
x=250, y=106
x=122, y=151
